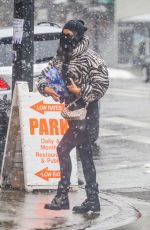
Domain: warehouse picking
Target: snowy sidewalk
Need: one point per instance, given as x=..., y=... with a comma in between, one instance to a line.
x=120, y=74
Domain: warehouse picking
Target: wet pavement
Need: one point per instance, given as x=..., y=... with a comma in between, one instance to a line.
x=124, y=160
x=123, y=171
x=24, y=211
x=125, y=146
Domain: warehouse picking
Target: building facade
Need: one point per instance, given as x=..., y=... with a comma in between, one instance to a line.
x=132, y=22
x=130, y=8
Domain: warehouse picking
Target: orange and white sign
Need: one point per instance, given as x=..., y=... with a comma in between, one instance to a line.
x=42, y=128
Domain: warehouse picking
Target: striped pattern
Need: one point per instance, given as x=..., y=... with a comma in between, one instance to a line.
x=86, y=68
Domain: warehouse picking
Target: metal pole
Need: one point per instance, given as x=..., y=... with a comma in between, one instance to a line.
x=23, y=38
x=96, y=19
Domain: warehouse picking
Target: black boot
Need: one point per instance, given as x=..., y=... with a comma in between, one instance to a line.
x=91, y=204
x=60, y=201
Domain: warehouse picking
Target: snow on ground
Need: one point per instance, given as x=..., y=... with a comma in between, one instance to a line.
x=120, y=73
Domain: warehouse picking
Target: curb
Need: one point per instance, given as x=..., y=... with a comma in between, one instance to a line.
x=125, y=212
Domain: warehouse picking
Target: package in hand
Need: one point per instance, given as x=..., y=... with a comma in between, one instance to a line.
x=56, y=82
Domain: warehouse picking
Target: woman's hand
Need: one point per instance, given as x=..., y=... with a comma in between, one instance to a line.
x=73, y=88
x=52, y=93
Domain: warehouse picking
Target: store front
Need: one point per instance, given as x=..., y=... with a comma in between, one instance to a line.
x=133, y=40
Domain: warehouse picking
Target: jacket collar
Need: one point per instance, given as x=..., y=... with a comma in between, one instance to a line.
x=82, y=47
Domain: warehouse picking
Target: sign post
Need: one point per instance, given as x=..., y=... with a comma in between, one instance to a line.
x=23, y=38
x=41, y=128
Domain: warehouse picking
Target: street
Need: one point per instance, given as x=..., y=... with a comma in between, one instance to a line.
x=124, y=134
x=124, y=161
x=123, y=170
x=125, y=145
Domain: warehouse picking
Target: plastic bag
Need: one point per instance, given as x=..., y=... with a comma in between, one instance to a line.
x=57, y=83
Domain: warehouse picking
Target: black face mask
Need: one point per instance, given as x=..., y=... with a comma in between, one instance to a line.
x=69, y=41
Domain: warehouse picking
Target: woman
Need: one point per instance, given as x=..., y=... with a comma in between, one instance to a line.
x=86, y=77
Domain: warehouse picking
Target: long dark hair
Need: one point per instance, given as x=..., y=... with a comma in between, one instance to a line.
x=64, y=53
x=65, y=56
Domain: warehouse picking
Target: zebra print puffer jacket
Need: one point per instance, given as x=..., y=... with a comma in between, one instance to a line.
x=86, y=68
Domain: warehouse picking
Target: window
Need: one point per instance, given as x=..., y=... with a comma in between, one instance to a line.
x=43, y=50
x=45, y=47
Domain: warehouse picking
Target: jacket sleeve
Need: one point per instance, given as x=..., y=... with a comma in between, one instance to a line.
x=42, y=79
x=97, y=85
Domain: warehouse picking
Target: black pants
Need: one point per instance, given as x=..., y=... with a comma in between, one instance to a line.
x=81, y=138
